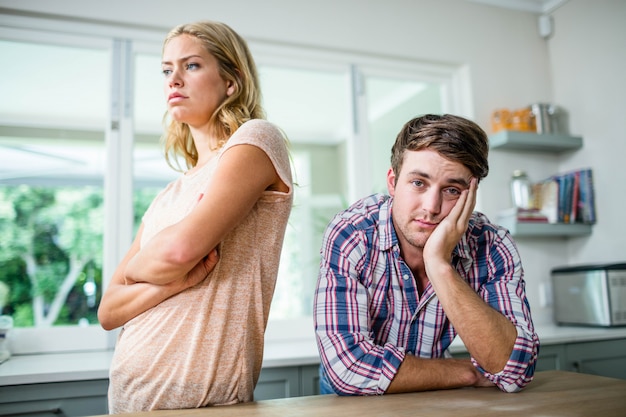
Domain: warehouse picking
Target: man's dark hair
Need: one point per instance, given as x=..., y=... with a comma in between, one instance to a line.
x=453, y=137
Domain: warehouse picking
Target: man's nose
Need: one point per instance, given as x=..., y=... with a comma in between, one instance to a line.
x=431, y=201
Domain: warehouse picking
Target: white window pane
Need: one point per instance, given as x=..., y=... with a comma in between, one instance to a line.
x=53, y=85
x=51, y=172
x=313, y=108
x=52, y=225
x=150, y=105
x=151, y=173
x=391, y=102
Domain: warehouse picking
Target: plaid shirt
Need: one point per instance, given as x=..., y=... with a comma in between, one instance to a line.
x=368, y=313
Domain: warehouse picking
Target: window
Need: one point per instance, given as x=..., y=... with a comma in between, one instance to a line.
x=312, y=105
x=65, y=158
x=51, y=159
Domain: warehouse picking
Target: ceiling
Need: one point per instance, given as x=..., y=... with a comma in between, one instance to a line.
x=533, y=6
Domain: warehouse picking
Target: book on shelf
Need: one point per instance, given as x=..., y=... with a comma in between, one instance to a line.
x=586, y=201
x=546, y=198
x=522, y=215
x=562, y=198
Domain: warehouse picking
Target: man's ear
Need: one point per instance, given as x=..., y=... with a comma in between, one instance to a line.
x=391, y=182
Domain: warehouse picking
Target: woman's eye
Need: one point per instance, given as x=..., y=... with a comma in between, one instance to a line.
x=166, y=72
x=192, y=66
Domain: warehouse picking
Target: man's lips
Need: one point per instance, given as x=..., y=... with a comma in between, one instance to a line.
x=425, y=224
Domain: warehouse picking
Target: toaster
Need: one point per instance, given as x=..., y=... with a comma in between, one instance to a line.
x=592, y=295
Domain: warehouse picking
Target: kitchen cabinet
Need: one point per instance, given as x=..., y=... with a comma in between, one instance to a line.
x=82, y=398
x=551, y=358
x=606, y=358
x=68, y=399
x=278, y=383
x=310, y=380
x=285, y=382
x=509, y=140
x=600, y=357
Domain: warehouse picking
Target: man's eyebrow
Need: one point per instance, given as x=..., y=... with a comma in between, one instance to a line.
x=454, y=180
x=461, y=181
x=419, y=173
x=185, y=58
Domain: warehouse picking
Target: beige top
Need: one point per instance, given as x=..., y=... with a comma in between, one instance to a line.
x=204, y=346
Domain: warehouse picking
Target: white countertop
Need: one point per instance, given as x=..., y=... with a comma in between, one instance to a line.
x=81, y=366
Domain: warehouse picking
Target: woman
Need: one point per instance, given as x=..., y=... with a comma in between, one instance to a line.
x=193, y=292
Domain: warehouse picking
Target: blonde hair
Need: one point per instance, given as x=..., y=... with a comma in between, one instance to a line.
x=236, y=64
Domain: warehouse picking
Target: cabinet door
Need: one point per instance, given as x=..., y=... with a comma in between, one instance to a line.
x=551, y=358
x=604, y=358
x=310, y=380
x=461, y=355
x=68, y=399
x=278, y=383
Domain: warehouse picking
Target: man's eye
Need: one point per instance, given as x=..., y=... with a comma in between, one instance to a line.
x=417, y=183
x=453, y=191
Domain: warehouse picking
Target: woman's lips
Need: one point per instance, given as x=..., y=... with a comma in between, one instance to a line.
x=175, y=97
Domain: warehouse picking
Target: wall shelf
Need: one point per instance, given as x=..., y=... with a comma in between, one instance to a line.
x=528, y=141
x=530, y=229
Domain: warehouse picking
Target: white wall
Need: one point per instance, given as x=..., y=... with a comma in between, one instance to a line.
x=587, y=56
x=581, y=67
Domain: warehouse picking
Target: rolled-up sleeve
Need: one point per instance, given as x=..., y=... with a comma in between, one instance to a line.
x=505, y=291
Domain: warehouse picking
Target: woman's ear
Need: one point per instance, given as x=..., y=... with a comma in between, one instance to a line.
x=230, y=88
x=232, y=84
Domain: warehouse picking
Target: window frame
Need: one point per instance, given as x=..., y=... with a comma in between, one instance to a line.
x=123, y=43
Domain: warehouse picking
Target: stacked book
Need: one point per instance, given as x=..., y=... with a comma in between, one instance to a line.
x=524, y=215
x=562, y=198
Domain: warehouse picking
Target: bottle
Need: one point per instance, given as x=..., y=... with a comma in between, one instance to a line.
x=520, y=190
x=500, y=120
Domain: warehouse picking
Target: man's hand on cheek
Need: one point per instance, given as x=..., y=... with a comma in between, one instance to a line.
x=447, y=234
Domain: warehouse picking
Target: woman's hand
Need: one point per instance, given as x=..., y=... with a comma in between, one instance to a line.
x=202, y=270
x=125, y=299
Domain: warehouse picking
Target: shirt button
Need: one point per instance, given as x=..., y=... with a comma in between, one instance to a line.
x=405, y=277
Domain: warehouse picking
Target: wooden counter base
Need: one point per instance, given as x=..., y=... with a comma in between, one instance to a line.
x=551, y=393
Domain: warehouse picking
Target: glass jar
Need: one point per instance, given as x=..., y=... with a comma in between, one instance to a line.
x=520, y=190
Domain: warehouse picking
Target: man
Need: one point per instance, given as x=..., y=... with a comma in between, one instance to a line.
x=402, y=274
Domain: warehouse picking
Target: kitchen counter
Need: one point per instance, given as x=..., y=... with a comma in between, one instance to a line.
x=551, y=393
x=82, y=366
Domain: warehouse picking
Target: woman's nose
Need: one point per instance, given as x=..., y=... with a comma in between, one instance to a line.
x=174, y=80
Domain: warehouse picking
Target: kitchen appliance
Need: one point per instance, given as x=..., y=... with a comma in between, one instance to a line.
x=593, y=295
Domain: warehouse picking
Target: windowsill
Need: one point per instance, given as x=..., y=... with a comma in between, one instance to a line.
x=81, y=366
